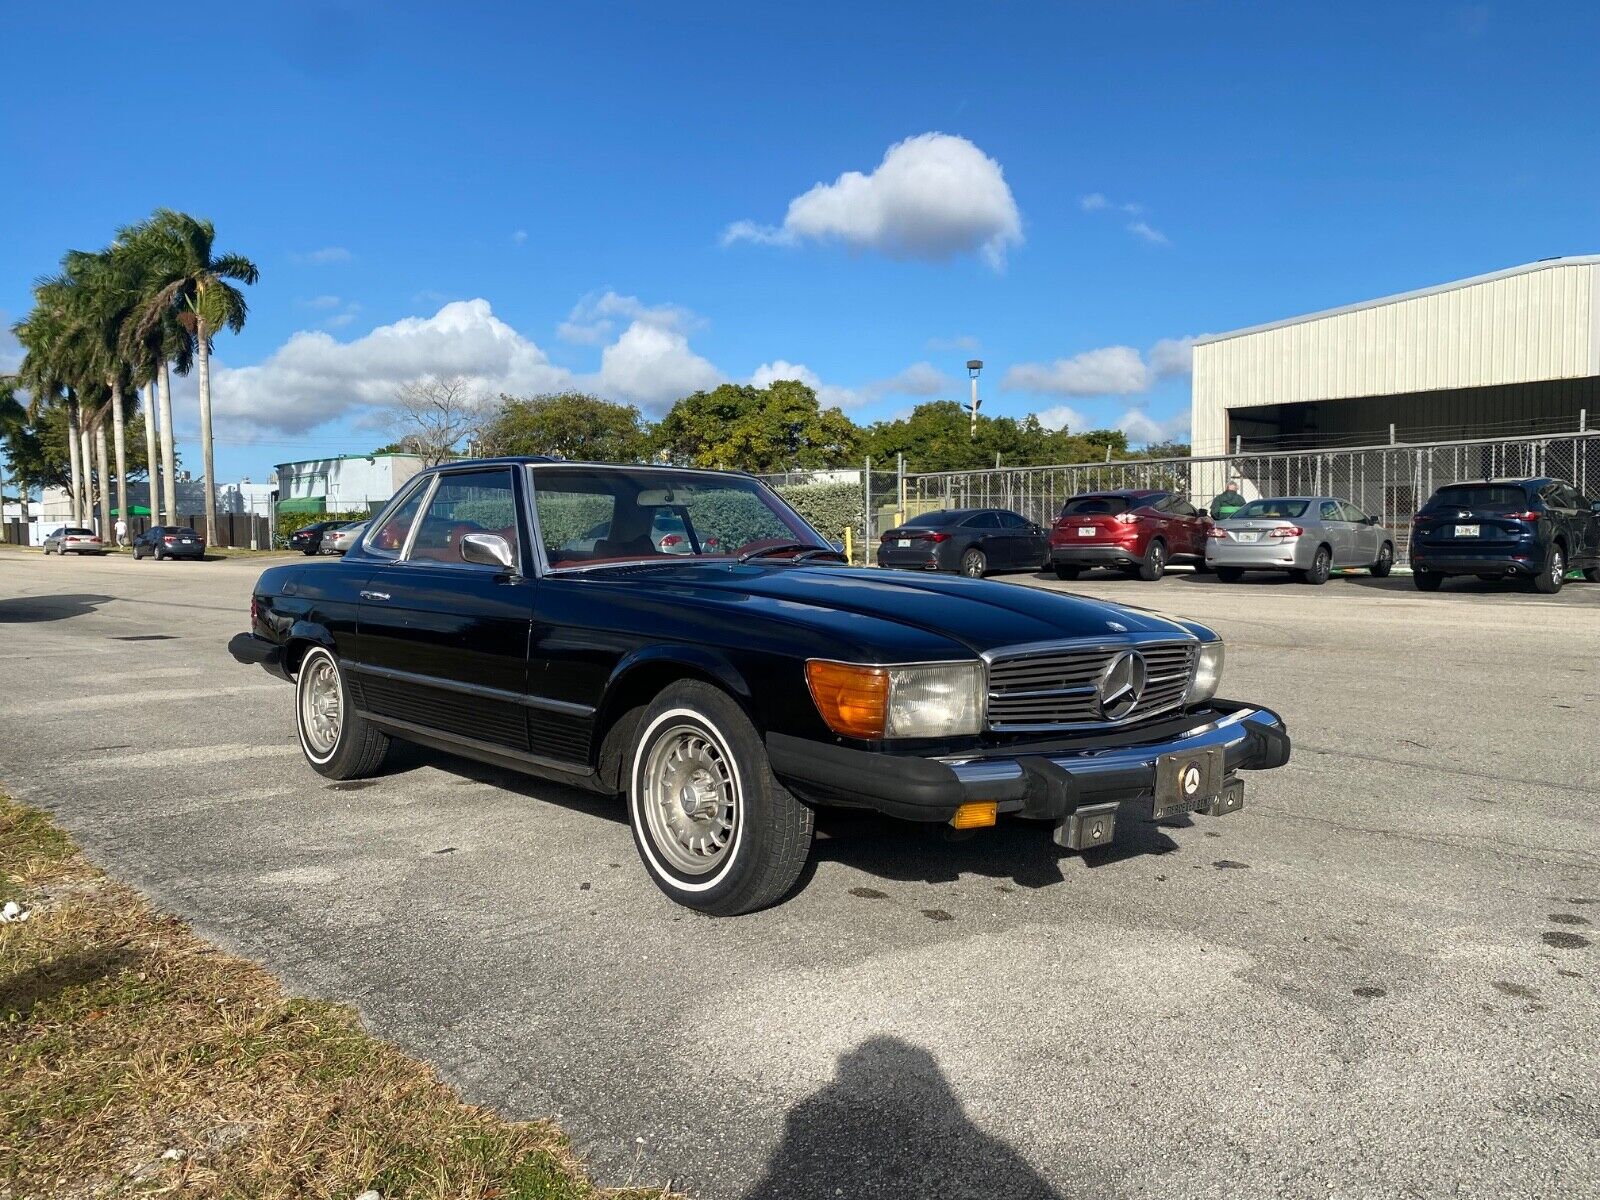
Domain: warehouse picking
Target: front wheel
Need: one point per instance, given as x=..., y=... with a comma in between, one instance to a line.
x=337, y=741
x=974, y=563
x=1553, y=574
x=713, y=826
x=1385, y=563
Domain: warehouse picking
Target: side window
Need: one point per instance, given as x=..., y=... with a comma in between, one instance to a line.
x=466, y=502
x=389, y=539
x=1011, y=520
x=1182, y=508
x=1569, y=496
x=1330, y=511
x=1352, y=513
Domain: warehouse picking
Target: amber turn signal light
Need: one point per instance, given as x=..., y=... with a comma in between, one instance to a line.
x=853, y=700
x=979, y=814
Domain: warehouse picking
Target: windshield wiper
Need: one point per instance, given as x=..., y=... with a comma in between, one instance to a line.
x=806, y=548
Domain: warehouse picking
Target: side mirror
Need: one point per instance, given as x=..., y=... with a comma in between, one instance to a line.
x=488, y=550
x=1369, y=520
x=1203, y=513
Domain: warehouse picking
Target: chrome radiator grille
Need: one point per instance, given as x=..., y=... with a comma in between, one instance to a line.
x=1057, y=686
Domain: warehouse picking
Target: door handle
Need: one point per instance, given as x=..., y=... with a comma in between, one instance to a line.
x=374, y=595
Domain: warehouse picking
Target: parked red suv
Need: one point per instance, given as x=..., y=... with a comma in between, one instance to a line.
x=1137, y=531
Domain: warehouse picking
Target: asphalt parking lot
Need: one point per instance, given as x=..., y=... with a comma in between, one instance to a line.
x=1378, y=979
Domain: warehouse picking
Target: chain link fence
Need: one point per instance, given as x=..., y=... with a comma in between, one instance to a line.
x=1389, y=482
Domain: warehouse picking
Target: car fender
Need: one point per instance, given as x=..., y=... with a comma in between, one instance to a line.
x=302, y=635
x=697, y=660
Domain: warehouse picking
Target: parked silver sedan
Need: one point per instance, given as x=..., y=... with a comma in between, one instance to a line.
x=1308, y=536
x=342, y=539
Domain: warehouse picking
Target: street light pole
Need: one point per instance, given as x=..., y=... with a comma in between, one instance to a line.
x=974, y=365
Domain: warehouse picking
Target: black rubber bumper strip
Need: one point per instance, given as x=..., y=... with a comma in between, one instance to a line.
x=890, y=783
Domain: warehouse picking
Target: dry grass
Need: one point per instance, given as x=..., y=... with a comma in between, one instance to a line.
x=135, y=1059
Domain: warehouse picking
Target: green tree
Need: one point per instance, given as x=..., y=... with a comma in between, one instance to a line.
x=775, y=428
x=570, y=425
x=938, y=436
x=187, y=279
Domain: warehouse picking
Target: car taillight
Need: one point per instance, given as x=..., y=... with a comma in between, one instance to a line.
x=711, y=541
x=938, y=537
x=1530, y=515
x=1285, y=531
x=1127, y=518
x=169, y=539
x=255, y=611
x=1217, y=531
x=671, y=539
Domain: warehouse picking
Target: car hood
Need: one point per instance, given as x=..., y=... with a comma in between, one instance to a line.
x=979, y=614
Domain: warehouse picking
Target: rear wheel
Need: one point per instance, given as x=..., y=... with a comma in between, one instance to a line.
x=1385, y=563
x=337, y=741
x=974, y=563
x=1067, y=571
x=1426, y=581
x=1321, y=565
x=1154, y=565
x=1230, y=574
x=1554, y=572
x=713, y=826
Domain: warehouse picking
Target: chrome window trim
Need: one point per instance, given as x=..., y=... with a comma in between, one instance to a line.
x=427, y=502
x=418, y=483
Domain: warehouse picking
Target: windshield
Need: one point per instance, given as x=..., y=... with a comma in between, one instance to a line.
x=1083, y=506
x=591, y=515
x=1259, y=510
x=1496, y=497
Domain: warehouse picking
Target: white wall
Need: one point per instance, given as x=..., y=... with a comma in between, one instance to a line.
x=1529, y=323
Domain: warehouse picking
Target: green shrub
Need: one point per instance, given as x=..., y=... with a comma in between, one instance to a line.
x=830, y=508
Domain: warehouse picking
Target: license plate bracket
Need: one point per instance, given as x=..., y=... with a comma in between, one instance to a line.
x=1085, y=531
x=1187, y=780
x=1469, y=531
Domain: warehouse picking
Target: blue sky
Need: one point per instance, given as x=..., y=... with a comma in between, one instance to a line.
x=621, y=197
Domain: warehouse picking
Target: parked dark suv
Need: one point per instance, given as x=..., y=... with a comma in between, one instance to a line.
x=1535, y=529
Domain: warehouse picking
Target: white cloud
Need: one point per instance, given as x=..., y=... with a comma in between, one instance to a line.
x=1148, y=233
x=828, y=395
x=322, y=302
x=1143, y=429
x=1172, y=356
x=1063, y=416
x=10, y=348
x=919, y=379
x=1108, y=371
x=933, y=197
x=324, y=257
x=593, y=318
x=963, y=342
x=1094, y=202
x=652, y=365
x=313, y=378
x=520, y=237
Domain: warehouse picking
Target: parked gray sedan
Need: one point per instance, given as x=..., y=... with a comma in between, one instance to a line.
x=341, y=538
x=1308, y=536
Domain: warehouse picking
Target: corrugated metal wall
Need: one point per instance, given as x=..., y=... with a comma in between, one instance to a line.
x=1519, y=326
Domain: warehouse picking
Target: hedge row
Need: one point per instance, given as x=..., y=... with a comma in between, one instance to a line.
x=293, y=522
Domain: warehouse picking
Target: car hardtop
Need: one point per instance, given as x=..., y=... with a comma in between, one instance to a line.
x=1532, y=485
x=1121, y=494
x=546, y=460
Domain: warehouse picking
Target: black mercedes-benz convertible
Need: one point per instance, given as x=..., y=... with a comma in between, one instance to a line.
x=683, y=638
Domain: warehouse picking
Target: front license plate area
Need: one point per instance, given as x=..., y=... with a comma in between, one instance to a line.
x=1187, y=780
x=1467, y=530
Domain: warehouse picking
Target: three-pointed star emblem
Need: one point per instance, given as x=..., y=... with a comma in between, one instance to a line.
x=1121, y=684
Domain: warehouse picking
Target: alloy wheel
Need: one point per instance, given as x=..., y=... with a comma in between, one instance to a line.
x=321, y=706
x=691, y=802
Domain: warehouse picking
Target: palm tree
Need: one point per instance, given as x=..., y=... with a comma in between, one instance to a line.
x=187, y=278
x=105, y=292
x=151, y=348
x=11, y=421
x=49, y=373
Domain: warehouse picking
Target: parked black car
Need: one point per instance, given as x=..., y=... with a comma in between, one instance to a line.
x=309, y=540
x=973, y=541
x=169, y=541
x=1536, y=529
x=727, y=693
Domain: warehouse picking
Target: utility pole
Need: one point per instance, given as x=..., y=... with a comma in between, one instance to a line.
x=974, y=365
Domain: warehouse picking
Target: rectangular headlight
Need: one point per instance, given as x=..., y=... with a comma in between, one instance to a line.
x=945, y=700
x=931, y=700
x=1207, y=674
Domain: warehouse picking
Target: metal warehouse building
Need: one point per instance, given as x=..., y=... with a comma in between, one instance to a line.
x=1515, y=352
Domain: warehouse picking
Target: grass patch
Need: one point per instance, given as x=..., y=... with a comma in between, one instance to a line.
x=137, y=1059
